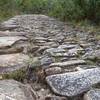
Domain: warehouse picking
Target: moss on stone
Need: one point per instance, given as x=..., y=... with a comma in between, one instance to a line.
x=18, y=75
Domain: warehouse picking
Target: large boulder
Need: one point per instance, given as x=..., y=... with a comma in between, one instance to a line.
x=13, y=90
x=12, y=62
x=93, y=94
x=74, y=83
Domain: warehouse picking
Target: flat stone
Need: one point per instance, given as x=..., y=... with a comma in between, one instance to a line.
x=12, y=33
x=13, y=90
x=62, y=55
x=11, y=50
x=42, y=49
x=33, y=49
x=54, y=50
x=8, y=41
x=75, y=51
x=12, y=62
x=53, y=70
x=68, y=63
x=46, y=60
x=92, y=56
x=55, y=98
x=42, y=39
x=67, y=46
x=8, y=27
x=85, y=45
x=74, y=83
x=93, y=94
x=50, y=44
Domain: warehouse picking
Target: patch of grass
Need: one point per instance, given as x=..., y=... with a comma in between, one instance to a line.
x=89, y=62
x=97, y=37
x=19, y=75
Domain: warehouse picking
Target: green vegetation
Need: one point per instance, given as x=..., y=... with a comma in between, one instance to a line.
x=77, y=10
x=19, y=75
x=7, y=9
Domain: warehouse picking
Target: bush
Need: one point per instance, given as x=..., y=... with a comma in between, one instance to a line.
x=64, y=9
x=77, y=10
x=7, y=8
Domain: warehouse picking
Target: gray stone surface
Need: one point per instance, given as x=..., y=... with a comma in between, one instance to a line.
x=68, y=63
x=53, y=70
x=13, y=90
x=63, y=55
x=76, y=51
x=92, y=55
x=12, y=62
x=67, y=46
x=12, y=33
x=46, y=60
x=55, y=98
x=60, y=42
x=74, y=83
x=93, y=94
x=53, y=51
x=9, y=40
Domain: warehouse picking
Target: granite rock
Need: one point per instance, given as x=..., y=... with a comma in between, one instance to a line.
x=74, y=83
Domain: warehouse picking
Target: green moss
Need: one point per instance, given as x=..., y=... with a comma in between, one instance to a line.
x=97, y=37
x=19, y=75
x=57, y=59
x=34, y=63
x=90, y=62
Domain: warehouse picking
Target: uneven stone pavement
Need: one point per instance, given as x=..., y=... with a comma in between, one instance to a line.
x=54, y=53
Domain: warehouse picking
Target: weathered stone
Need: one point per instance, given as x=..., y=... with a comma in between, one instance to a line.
x=11, y=33
x=42, y=49
x=62, y=55
x=46, y=60
x=40, y=42
x=9, y=41
x=85, y=45
x=42, y=39
x=67, y=46
x=54, y=50
x=53, y=70
x=11, y=50
x=74, y=83
x=55, y=98
x=50, y=44
x=12, y=62
x=13, y=90
x=88, y=53
x=21, y=43
x=34, y=62
x=75, y=51
x=8, y=27
x=93, y=55
x=33, y=49
x=93, y=94
x=59, y=38
x=68, y=63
